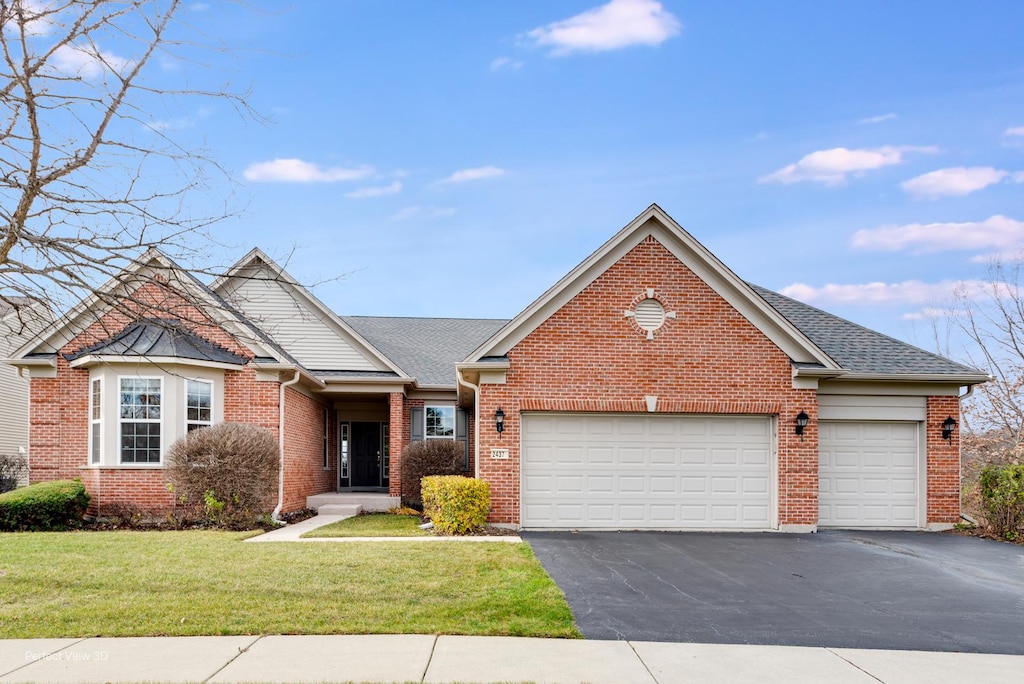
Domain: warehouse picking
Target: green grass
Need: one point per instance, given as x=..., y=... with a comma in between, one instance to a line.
x=78, y=584
x=371, y=525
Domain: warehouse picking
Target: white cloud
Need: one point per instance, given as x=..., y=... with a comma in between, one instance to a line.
x=425, y=212
x=180, y=123
x=376, y=191
x=39, y=19
x=616, y=25
x=199, y=6
x=999, y=233
x=298, y=171
x=506, y=64
x=1014, y=132
x=478, y=173
x=870, y=120
x=87, y=62
x=928, y=313
x=832, y=167
x=956, y=182
x=913, y=292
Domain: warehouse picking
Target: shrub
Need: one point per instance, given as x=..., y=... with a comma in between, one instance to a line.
x=54, y=505
x=1002, y=494
x=230, y=469
x=456, y=504
x=13, y=469
x=423, y=459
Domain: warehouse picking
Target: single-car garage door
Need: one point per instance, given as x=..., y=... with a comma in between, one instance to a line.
x=868, y=474
x=615, y=471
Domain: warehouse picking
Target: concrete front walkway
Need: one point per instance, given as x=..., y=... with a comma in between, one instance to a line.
x=425, y=658
x=293, y=533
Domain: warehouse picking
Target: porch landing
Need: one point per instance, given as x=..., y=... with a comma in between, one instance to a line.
x=351, y=503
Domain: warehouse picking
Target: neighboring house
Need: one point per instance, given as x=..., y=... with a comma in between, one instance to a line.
x=20, y=320
x=649, y=388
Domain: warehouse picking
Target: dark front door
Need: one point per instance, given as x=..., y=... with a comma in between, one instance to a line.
x=366, y=455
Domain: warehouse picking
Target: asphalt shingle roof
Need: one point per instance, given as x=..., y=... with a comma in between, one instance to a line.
x=153, y=338
x=426, y=348
x=856, y=348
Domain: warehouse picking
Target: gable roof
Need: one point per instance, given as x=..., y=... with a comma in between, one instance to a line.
x=860, y=350
x=654, y=222
x=257, y=259
x=160, y=338
x=428, y=348
x=97, y=304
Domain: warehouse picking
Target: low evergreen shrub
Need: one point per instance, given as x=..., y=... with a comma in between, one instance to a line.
x=44, y=506
x=456, y=504
x=426, y=458
x=1002, y=495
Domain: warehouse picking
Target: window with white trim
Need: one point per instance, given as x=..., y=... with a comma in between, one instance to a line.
x=440, y=422
x=139, y=418
x=95, y=420
x=343, y=450
x=198, y=404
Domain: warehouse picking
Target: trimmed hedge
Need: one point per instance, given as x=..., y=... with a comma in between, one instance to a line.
x=45, y=506
x=456, y=504
x=1002, y=494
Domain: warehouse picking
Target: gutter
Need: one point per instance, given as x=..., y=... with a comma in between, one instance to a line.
x=276, y=515
x=476, y=420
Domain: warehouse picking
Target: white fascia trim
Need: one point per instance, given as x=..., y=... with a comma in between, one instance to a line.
x=112, y=360
x=346, y=380
x=827, y=373
x=289, y=367
x=32, y=363
x=257, y=254
x=683, y=245
x=949, y=379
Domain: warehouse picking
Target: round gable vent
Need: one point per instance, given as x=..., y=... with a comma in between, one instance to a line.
x=650, y=314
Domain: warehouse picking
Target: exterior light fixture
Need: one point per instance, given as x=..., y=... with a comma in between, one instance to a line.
x=499, y=420
x=948, y=426
x=801, y=423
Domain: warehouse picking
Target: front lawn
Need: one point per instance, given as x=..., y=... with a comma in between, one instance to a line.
x=371, y=525
x=78, y=584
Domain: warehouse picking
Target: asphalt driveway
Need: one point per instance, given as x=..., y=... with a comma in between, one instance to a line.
x=887, y=590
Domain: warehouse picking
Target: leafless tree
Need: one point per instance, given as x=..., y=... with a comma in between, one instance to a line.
x=90, y=179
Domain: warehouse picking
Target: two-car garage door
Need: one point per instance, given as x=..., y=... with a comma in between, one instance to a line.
x=624, y=471
x=629, y=471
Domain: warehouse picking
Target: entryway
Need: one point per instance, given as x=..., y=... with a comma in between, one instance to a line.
x=363, y=456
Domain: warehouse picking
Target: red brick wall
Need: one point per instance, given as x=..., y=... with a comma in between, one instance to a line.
x=59, y=407
x=304, y=473
x=943, y=461
x=398, y=433
x=588, y=356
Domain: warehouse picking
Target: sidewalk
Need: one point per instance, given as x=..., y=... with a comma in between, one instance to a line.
x=424, y=658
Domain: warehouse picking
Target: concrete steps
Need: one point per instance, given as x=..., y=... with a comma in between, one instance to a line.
x=369, y=501
x=339, y=509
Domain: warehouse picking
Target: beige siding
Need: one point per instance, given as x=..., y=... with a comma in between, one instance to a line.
x=307, y=334
x=13, y=395
x=870, y=407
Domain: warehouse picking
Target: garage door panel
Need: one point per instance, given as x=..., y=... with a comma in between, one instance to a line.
x=868, y=474
x=646, y=471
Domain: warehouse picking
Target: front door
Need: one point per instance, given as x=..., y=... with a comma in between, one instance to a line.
x=366, y=455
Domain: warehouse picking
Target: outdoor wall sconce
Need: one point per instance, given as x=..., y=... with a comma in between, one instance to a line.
x=499, y=420
x=801, y=423
x=948, y=426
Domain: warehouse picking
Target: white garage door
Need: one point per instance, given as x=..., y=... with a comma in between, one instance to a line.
x=868, y=474
x=646, y=471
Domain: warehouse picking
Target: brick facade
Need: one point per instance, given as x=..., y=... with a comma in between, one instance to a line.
x=304, y=472
x=709, y=359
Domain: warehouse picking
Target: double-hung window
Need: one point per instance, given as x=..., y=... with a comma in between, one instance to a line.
x=440, y=422
x=198, y=404
x=139, y=417
x=95, y=419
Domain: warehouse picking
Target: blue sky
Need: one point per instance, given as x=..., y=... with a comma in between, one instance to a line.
x=457, y=158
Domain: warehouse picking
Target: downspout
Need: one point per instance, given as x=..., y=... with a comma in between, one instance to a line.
x=276, y=515
x=476, y=421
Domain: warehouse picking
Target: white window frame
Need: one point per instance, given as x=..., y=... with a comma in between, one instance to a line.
x=122, y=421
x=96, y=423
x=343, y=451
x=426, y=424
x=197, y=423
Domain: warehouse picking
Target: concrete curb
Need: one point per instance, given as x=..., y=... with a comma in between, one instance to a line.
x=293, y=533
